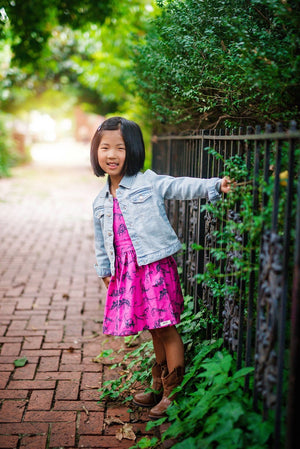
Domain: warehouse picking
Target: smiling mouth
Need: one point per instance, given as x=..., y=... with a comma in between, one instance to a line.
x=112, y=164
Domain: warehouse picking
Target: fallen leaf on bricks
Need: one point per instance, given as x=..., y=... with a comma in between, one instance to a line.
x=86, y=410
x=126, y=432
x=113, y=420
x=20, y=362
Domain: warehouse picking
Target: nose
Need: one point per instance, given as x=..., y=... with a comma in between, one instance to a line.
x=112, y=154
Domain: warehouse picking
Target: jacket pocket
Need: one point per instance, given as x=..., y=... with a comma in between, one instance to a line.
x=141, y=195
x=99, y=212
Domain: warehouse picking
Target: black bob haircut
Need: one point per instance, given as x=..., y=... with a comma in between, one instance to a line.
x=134, y=144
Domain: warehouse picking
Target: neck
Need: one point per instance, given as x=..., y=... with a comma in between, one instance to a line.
x=114, y=184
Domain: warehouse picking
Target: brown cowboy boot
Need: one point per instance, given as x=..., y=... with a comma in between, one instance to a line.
x=150, y=399
x=170, y=382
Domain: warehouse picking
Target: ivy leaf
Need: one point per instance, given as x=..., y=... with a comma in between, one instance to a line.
x=20, y=362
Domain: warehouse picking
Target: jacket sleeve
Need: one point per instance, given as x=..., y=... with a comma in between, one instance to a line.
x=186, y=188
x=103, y=265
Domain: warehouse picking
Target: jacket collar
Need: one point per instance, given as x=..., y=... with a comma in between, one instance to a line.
x=126, y=182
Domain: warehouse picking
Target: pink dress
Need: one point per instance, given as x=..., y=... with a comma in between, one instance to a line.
x=139, y=298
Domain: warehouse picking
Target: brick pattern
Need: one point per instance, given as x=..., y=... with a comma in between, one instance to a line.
x=51, y=305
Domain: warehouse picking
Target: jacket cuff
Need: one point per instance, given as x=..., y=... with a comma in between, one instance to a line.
x=214, y=190
x=102, y=272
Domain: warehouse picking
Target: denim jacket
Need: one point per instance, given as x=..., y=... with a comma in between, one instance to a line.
x=141, y=199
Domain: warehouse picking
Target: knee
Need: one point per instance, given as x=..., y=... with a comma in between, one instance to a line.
x=165, y=333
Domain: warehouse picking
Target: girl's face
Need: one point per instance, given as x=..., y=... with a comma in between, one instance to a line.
x=112, y=154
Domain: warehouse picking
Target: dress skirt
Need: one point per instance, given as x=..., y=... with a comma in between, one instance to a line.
x=139, y=297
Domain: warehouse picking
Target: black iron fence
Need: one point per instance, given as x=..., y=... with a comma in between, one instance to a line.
x=260, y=322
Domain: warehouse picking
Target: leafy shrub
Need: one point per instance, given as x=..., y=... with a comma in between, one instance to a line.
x=213, y=409
x=204, y=62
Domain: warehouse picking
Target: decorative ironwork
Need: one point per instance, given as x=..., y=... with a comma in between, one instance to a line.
x=209, y=243
x=184, y=156
x=231, y=312
x=270, y=294
x=192, y=233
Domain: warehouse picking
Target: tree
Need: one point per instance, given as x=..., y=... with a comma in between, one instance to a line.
x=92, y=62
x=32, y=22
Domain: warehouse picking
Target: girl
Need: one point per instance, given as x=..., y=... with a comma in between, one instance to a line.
x=134, y=244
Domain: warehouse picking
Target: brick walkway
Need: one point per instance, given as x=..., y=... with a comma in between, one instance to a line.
x=51, y=305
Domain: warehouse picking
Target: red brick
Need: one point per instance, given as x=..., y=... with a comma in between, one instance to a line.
x=3, y=330
x=56, y=315
x=11, y=339
x=41, y=353
x=4, y=360
x=8, y=441
x=31, y=385
x=40, y=400
x=34, y=442
x=12, y=411
x=4, y=376
x=89, y=365
x=53, y=336
x=73, y=376
x=42, y=302
x=73, y=356
x=67, y=390
x=51, y=416
x=13, y=394
x=91, y=349
x=26, y=428
x=25, y=372
x=49, y=364
x=11, y=349
x=102, y=442
x=14, y=292
x=62, y=434
x=33, y=342
x=24, y=333
x=89, y=395
x=59, y=345
x=90, y=381
x=91, y=424
x=77, y=405
x=71, y=368
x=25, y=303
x=118, y=412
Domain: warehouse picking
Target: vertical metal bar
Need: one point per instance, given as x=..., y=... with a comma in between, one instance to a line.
x=277, y=182
x=293, y=411
x=251, y=293
x=283, y=304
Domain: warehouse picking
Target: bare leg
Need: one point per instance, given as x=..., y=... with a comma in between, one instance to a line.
x=159, y=349
x=167, y=343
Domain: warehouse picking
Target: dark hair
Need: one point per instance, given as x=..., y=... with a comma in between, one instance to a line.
x=134, y=144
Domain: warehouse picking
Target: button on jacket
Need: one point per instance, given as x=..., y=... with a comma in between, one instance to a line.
x=141, y=198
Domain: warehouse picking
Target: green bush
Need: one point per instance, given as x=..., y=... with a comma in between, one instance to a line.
x=6, y=157
x=203, y=63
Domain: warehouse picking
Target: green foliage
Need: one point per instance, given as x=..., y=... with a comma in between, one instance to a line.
x=8, y=156
x=32, y=22
x=137, y=364
x=205, y=62
x=83, y=52
x=212, y=409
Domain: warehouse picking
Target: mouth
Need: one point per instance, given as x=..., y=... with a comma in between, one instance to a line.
x=112, y=165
